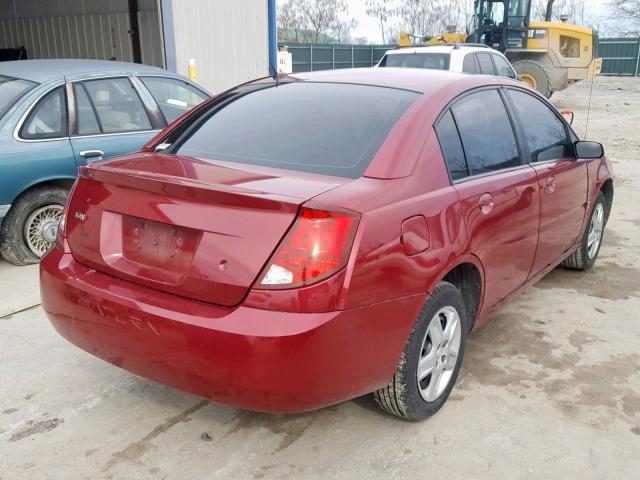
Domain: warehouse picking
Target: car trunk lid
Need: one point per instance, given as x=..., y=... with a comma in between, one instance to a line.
x=189, y=227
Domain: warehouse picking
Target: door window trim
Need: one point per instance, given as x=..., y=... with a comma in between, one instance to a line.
x=515, y=127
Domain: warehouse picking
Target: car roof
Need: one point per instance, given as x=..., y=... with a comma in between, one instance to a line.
x=421, y=80
x=41, y=71
x=439, y=49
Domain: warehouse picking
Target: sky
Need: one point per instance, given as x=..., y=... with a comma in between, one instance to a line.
x=368, y=26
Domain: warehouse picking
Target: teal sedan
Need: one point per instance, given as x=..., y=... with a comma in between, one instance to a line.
x=56, y=115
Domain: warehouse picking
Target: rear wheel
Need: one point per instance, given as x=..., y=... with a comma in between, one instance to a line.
x=431, y=359
x=30, y=227
x=587, y=253
x=534, y=74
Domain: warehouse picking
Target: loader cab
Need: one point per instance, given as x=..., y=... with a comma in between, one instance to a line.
x=501, y=24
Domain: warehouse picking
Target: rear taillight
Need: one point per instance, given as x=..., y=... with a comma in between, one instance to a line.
x=316, y=247
x=61, y=233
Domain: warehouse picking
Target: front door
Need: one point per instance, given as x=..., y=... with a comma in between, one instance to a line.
x=562, y=179
x=498, y=191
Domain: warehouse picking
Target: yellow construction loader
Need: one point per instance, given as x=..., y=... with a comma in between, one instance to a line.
x=548, y=56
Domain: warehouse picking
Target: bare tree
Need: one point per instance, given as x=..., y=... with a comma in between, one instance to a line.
x=627, y=14
x=341, y=31
x=321, y=15
x=573, y=10
x=385, y=12
x=315, y=21
x=290, y=22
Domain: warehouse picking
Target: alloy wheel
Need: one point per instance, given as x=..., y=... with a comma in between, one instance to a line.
x=439, y=354
x=596, y=227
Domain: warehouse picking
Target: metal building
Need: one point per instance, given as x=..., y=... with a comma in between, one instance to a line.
x=231, y=41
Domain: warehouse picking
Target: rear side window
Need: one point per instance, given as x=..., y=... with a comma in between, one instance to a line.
x=486, y=65
x=544, y=132
x=503, y=68
x=326, y=128
x=48, y=119
x=451, y=146
x=434, y=61
x=486, y=132
x=470, y=64
x=174, y=97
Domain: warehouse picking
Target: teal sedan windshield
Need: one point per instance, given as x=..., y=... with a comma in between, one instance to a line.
x=11, y=89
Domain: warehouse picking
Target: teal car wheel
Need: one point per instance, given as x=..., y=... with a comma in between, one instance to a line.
x=30, y=227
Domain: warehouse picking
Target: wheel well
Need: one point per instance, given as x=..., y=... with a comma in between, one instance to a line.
x=65, y=183
x=607, y=191
x=466, y=278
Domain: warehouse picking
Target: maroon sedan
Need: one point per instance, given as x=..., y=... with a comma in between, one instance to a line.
x=297, y=242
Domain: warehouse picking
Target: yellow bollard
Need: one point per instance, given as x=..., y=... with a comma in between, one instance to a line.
x=193, y=76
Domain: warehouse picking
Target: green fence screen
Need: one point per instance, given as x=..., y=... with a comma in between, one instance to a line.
x=621, y=56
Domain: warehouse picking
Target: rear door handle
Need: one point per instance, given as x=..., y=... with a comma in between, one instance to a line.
x=91, y=153
x=550, y=185
x=485, y=203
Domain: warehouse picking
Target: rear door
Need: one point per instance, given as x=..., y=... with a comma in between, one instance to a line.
x=110, y=118
x=497, y=190
x=562, y=179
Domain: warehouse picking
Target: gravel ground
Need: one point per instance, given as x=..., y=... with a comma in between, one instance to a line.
x=549, y=389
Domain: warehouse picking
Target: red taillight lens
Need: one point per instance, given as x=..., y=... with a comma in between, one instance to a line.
x=61, y=233
x=317, y=246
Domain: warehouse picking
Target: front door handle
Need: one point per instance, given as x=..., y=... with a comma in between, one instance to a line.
x=485, y=203
x=550, y=185
x=91, y=153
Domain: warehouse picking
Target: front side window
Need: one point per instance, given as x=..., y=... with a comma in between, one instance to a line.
x=326, y=128
x=11, y=90
x=503, y=67
x=48, y=119
x=117, y=105
x=486, y=132
x=174, y=97
x=434, y=61
x=544, y=132
x=486, y=65
x=451, y=146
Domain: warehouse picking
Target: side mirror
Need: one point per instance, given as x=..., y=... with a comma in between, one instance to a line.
x=568, y=115
x=588, y=150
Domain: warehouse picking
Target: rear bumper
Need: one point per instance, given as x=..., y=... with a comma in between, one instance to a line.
x=249, y=358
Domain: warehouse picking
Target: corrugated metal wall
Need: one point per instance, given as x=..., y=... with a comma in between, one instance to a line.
x=310, y=57
x=81, y=29
x=620, y=56
x=227, y=38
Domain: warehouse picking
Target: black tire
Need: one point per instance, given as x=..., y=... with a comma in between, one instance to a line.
x=13, y=245
x=580, y=259
x=539, y=73
x=402, y=397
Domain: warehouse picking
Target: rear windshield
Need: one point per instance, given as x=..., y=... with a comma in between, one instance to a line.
x=434, y=61
x=11, y=89
x=326, y=128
